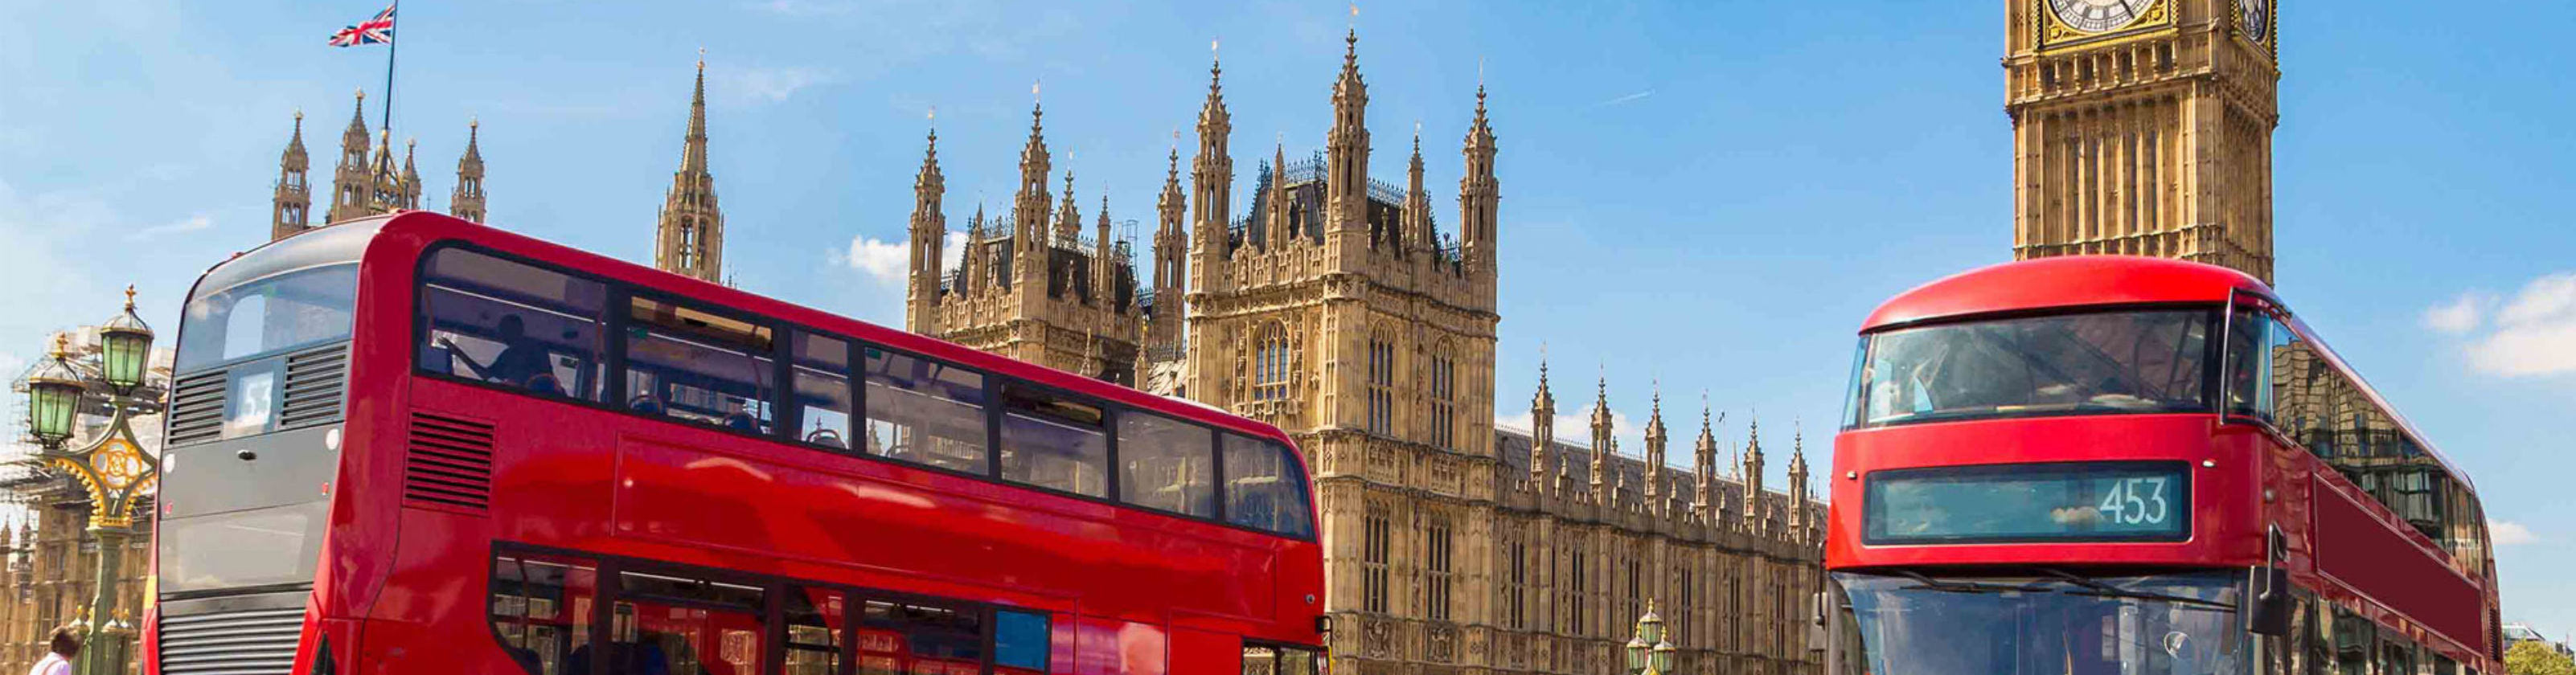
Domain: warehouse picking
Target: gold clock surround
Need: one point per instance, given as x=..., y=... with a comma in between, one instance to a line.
x=2054, y=34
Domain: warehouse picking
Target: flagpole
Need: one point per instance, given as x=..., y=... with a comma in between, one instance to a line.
x=392, y=13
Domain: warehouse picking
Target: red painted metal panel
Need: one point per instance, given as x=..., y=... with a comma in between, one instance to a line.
x=2369, y=555
x=2066, y=281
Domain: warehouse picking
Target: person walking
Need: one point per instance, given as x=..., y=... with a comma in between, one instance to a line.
x=66, y=643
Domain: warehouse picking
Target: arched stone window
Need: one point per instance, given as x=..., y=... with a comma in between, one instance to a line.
x=1271, y=362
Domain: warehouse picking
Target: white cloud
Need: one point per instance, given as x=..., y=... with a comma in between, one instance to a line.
x=192, y=224
x=884, y=261
x=2458, y=316
x=889, y=262
x=2506, y=533
x=2534, y=333
x=767, y=85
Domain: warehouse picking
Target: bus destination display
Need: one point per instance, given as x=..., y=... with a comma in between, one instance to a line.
x=2101, y=501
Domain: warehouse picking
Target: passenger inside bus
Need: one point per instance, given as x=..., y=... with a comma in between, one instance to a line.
x=522, y=360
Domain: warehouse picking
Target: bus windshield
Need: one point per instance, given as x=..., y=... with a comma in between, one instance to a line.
x=2176, y=624
x=2099, y=362
x=270, y=315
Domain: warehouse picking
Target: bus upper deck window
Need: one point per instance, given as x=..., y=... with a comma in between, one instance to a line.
x=925, y=412
x=699, y=366
x=487, y=319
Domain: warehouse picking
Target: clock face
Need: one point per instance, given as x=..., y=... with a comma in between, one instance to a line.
x=2098, y=16
x=2255, y=18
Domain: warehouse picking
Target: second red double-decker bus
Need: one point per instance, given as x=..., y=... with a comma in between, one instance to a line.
x=2106, y=465
x=413, y=444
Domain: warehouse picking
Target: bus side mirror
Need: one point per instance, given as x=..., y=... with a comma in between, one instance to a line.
x=2269, y=611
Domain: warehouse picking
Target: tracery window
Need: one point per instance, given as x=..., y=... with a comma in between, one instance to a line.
x=1436, y=543
x=1444, y=400
x=1374, y=555
x=1381, y=385
x=1270, y=363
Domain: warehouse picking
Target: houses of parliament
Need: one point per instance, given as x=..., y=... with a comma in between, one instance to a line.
x=1334, y=305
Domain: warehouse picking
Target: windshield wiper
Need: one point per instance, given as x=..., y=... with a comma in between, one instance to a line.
x=1924, y=582
x=2097, y=588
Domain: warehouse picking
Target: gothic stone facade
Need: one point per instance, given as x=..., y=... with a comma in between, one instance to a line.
x=2145, y=133
x=364, y=187
x=1336, y=309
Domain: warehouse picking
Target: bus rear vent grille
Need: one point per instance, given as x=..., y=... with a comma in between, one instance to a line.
x=314, y=381
x=251, y=642
x=450, y=462
x=197, y=408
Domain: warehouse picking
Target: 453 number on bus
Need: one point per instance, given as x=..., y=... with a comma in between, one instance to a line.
x=2137, y=501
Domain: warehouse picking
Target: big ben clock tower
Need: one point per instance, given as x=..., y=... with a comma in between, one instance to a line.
x=2144, y=127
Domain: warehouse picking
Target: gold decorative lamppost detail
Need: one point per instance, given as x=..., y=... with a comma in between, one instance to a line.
x=115, y=468
x=1648, y=652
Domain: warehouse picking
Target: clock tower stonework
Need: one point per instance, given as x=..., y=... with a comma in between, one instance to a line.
x=2144, y=127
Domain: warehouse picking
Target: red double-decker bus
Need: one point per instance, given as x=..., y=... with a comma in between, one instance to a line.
x=2110, y=465
x=412, y=444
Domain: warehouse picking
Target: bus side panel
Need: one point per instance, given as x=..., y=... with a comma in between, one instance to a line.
x=2362, y=552
x=1198, y=651
x=433, y=615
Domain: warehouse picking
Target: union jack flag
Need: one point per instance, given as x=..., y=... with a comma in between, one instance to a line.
x=376, y=31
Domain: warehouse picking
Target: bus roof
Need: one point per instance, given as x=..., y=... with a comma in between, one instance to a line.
x=2066, y=281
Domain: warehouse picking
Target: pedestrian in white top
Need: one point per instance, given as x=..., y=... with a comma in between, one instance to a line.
x=66, y=643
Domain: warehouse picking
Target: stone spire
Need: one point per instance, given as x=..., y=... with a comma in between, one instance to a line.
x=1798, y=525
x=1705, y=465
x=1211, y=183
x=973, y=268
x=1604, y=443
x=291, y=208
x=1068, y=216
x=1104, y=268
x=410, y=175
x=353, y=182
x=1029, y=207
x=1171, y=266
x=689, y=238
x=384, y=176
x=1416, y=234
x=929, y=227
x=1274, y=228
x=467, y=200
x=1346, y=149
x=1753, y=517
x=1479, y=195
x=1542, y=430
x=1655, y=449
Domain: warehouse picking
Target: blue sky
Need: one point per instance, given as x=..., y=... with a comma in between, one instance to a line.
x=1711, y=194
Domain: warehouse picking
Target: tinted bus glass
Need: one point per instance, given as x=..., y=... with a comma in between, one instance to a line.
x=2104, y=362
x=2028, y=502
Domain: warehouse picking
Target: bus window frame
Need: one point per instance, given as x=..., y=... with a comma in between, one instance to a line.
x=2264, y=307
x=621, y=305
x=609, y=589
x=618, y=299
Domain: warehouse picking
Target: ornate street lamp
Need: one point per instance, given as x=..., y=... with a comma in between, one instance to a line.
x=53, y=398
x=125, y=348
x=1648, y=652
x=114, y=468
